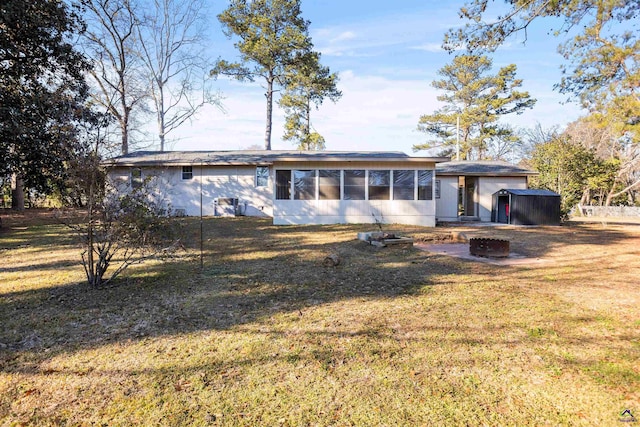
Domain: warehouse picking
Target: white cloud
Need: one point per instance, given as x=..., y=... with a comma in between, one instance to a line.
x=375, y=113
x=346, y=35
x=429, y=47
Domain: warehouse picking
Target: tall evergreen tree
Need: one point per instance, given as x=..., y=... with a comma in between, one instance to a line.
x=42, y=90
x=477, y=99
x=306, y=87
x=273, y=38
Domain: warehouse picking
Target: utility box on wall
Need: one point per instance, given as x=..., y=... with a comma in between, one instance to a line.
x=526, y=207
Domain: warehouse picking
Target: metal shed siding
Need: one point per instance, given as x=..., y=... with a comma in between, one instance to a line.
x=529, y=207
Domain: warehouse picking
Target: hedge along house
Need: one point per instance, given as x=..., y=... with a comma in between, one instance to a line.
x=465, y=189
x=292, y=187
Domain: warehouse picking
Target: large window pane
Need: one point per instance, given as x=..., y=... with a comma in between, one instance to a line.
x=329, y=184
x=304, y=184
x=379, y=187
x=403, y=185
x=425, y=185
x=354, y=184
x=283, y=185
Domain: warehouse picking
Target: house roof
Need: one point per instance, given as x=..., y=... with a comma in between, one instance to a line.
x=482, y=168
x=259, y=157
x=529, y=192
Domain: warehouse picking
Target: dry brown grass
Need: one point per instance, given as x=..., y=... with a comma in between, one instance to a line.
x=265, y=335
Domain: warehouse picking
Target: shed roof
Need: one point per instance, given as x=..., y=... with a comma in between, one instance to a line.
x=259, y=157
x=482, y=168
x=529, y=192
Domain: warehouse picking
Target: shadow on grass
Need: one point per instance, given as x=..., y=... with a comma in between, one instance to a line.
x=252, y=271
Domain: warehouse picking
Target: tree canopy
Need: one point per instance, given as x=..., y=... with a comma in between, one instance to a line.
x=477, y=99
x=273, y=39
x=571, y=170
x=306, y=86
x=42, y=89
x=602, y=50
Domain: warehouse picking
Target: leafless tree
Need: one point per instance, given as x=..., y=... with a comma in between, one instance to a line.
x=111, y=41
x=171, y=38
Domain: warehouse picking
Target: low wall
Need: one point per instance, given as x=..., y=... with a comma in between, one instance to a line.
x=604, y=211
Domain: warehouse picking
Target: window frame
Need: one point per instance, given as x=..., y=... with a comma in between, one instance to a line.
x=305, y=184
x=347, y=188
x=378, y=190
x=187, y=173
x=425, y=190
x=407, y=192
x=262, y=180
x=333, y=187
x=280, y=186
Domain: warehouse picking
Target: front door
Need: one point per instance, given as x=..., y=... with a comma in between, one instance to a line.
x=470, y=184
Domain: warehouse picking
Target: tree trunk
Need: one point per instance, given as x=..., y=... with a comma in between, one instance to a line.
x=269, y=94
x=161, y=129
x=628, y=188
x=307, y=128
x=161, y=113
x=125, y=136
x=17, y=192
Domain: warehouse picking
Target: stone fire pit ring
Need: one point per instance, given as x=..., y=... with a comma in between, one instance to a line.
x=489, y=248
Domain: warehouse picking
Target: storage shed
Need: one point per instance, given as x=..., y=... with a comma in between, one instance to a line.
x=526, y=207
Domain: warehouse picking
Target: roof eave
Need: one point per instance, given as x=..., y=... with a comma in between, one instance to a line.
x=486, y=174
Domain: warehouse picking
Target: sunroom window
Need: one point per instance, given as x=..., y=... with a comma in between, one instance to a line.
x=403, y=184
x=379, y=185
x=329, y=184
x=425, y=185
x=304, y=184
x=283, y=184
x=354, y=184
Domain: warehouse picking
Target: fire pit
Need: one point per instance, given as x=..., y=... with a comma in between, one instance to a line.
x=490, y=248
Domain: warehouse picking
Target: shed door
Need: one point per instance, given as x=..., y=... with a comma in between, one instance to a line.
x=503, y=209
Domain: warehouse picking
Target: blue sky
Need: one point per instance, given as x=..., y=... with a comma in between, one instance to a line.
x=386, y=54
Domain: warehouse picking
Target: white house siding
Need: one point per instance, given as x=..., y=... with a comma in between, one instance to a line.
x=414, y=212
x=489, y=185
x=447, y=204
x=168, y=186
